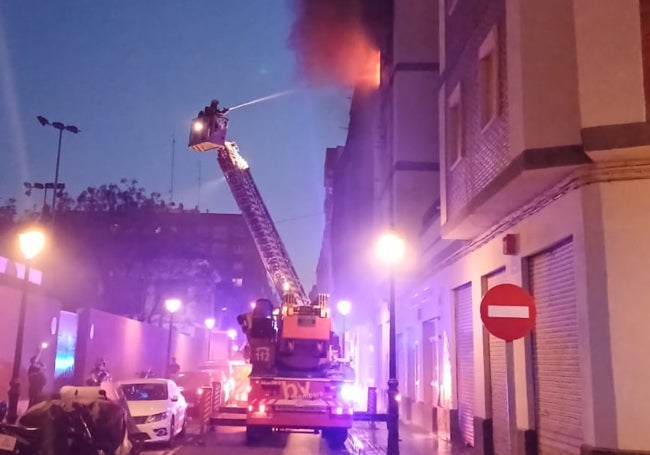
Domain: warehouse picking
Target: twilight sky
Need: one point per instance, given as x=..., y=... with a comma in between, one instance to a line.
x=131, y=74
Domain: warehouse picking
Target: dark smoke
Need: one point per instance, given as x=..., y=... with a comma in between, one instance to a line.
x=331, y=42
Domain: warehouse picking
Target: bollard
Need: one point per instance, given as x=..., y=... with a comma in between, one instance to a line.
x=216, y=397
x=205, y=409
x=371, y=408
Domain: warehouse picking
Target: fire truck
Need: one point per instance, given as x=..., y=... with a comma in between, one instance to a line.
x=296, y=380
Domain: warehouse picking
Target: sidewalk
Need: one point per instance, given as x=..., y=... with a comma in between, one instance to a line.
x=364, y=440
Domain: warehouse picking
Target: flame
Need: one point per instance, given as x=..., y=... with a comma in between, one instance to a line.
x=333, y=44
x=372, y=75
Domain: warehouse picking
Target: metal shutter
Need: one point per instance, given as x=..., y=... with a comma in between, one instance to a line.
x=499, y=385
x=465, y=362
x=558, y=393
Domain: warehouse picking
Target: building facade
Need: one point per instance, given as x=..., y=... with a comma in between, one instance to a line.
x=128, y=264
x=515, y=150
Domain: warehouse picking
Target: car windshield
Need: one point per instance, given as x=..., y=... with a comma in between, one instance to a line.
x=145, y=392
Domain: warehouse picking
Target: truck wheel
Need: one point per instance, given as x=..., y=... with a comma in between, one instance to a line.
x=335, y=437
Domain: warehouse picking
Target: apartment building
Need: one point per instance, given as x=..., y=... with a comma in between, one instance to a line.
x=513, y=148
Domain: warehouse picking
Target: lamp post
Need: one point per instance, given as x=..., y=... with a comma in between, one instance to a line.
x=31, y=243
x=344, y=307
x=209, y=324
x=390, y=250
x=43, y=186
x=59, y=126
x=172, y=306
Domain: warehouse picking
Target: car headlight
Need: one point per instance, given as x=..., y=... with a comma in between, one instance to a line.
x=348, y=392
x=156, y=417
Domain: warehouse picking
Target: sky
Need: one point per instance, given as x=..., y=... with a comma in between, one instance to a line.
x=131, y=74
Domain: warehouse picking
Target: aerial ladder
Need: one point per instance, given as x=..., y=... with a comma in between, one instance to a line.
x=208, y=133
x=296, y=382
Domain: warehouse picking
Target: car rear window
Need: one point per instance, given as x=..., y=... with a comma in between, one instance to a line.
x=145, y=392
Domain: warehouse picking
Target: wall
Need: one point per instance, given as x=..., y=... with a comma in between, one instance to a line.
x=40, y=320
x=625, y=206
x=611, y=79
x=130, y=346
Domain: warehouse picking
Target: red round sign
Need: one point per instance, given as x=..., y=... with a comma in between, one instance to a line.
x=508, y=312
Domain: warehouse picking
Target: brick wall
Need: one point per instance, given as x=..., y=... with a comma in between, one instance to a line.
x=487, y=151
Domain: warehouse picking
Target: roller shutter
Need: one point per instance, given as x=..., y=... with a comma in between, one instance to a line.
x=499, y=385
x=465, y=362
x=558, y=392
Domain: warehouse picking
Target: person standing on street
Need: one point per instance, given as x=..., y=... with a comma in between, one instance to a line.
x=174, y=367
x=36, y=378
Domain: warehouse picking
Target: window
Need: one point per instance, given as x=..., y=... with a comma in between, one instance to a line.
x=455, y=130
x=145, y=391
x=488, y=79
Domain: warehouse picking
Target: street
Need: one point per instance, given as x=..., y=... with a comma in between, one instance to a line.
x=362, y=440
x=231, y=441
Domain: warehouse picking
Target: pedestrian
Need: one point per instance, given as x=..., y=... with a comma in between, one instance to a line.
x=36, y=379
x=174, y=367
x=99, y=373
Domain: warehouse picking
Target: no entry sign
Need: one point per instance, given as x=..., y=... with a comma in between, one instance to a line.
x=508, y=312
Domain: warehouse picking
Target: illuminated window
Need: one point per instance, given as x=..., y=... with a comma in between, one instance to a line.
x=455, y=128
x=488, y=79
x=238, y=282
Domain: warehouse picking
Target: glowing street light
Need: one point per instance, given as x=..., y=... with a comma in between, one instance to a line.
x=344, y=307
x=390, y=249
x=232, y=334
x=172, y=306
x=31, y=244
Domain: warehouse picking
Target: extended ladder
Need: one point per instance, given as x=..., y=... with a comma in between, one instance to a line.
x=280, y=270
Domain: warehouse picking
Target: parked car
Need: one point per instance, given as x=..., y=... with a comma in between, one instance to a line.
x=109, y=390
x=157, y=406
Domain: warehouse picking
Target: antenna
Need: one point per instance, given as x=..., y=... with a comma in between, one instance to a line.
x=171, y=187
x=198, y=202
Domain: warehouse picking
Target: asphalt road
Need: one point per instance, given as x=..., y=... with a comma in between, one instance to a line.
x=231, y=441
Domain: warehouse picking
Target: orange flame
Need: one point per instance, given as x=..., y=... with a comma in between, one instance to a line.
x=333, y=45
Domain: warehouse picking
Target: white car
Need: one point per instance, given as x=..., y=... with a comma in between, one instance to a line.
x=157, y=406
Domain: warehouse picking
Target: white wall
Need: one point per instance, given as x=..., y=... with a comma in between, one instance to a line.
x=608, y=39
x=625, y=209
x=542, y=74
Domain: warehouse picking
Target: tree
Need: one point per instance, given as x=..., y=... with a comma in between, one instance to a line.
x=112, y=251
x=7, y=213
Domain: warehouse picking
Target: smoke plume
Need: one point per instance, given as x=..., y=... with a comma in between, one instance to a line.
x=331, y=43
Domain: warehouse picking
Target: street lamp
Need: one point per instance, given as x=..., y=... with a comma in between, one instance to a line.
x=59, y=126
x=390, y=250
x=43, y=186
x=31, y=243
x=172, y=306
x=344, y=307
x=209, y=324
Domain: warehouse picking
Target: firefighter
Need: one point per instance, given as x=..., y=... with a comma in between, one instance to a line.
x=99, y=373
x=36, y=379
